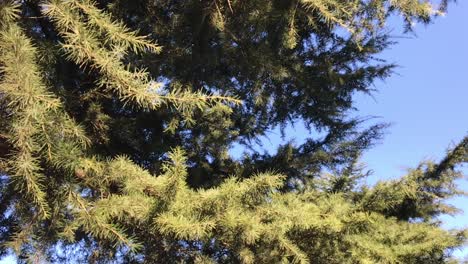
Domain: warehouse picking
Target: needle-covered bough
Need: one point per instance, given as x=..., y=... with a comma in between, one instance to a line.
x=62, y=199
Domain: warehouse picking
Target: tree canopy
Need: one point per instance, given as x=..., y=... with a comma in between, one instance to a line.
x=116, y=120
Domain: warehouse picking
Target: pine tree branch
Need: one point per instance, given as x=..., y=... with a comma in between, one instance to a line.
x=456, y=156
x=5, y=147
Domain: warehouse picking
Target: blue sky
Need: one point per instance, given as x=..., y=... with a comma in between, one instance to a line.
x=426, y=102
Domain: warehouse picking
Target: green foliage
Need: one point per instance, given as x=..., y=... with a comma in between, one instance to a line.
x=115, y=149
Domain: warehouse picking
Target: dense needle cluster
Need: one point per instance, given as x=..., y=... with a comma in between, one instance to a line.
x=115, y=148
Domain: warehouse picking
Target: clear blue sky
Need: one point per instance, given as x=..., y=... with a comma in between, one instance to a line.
x=426, y=102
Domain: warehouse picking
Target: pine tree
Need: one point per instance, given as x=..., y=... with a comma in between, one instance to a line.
x=117, y=118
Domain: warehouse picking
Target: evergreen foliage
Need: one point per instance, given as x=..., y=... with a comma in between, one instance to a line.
x=115, y=148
